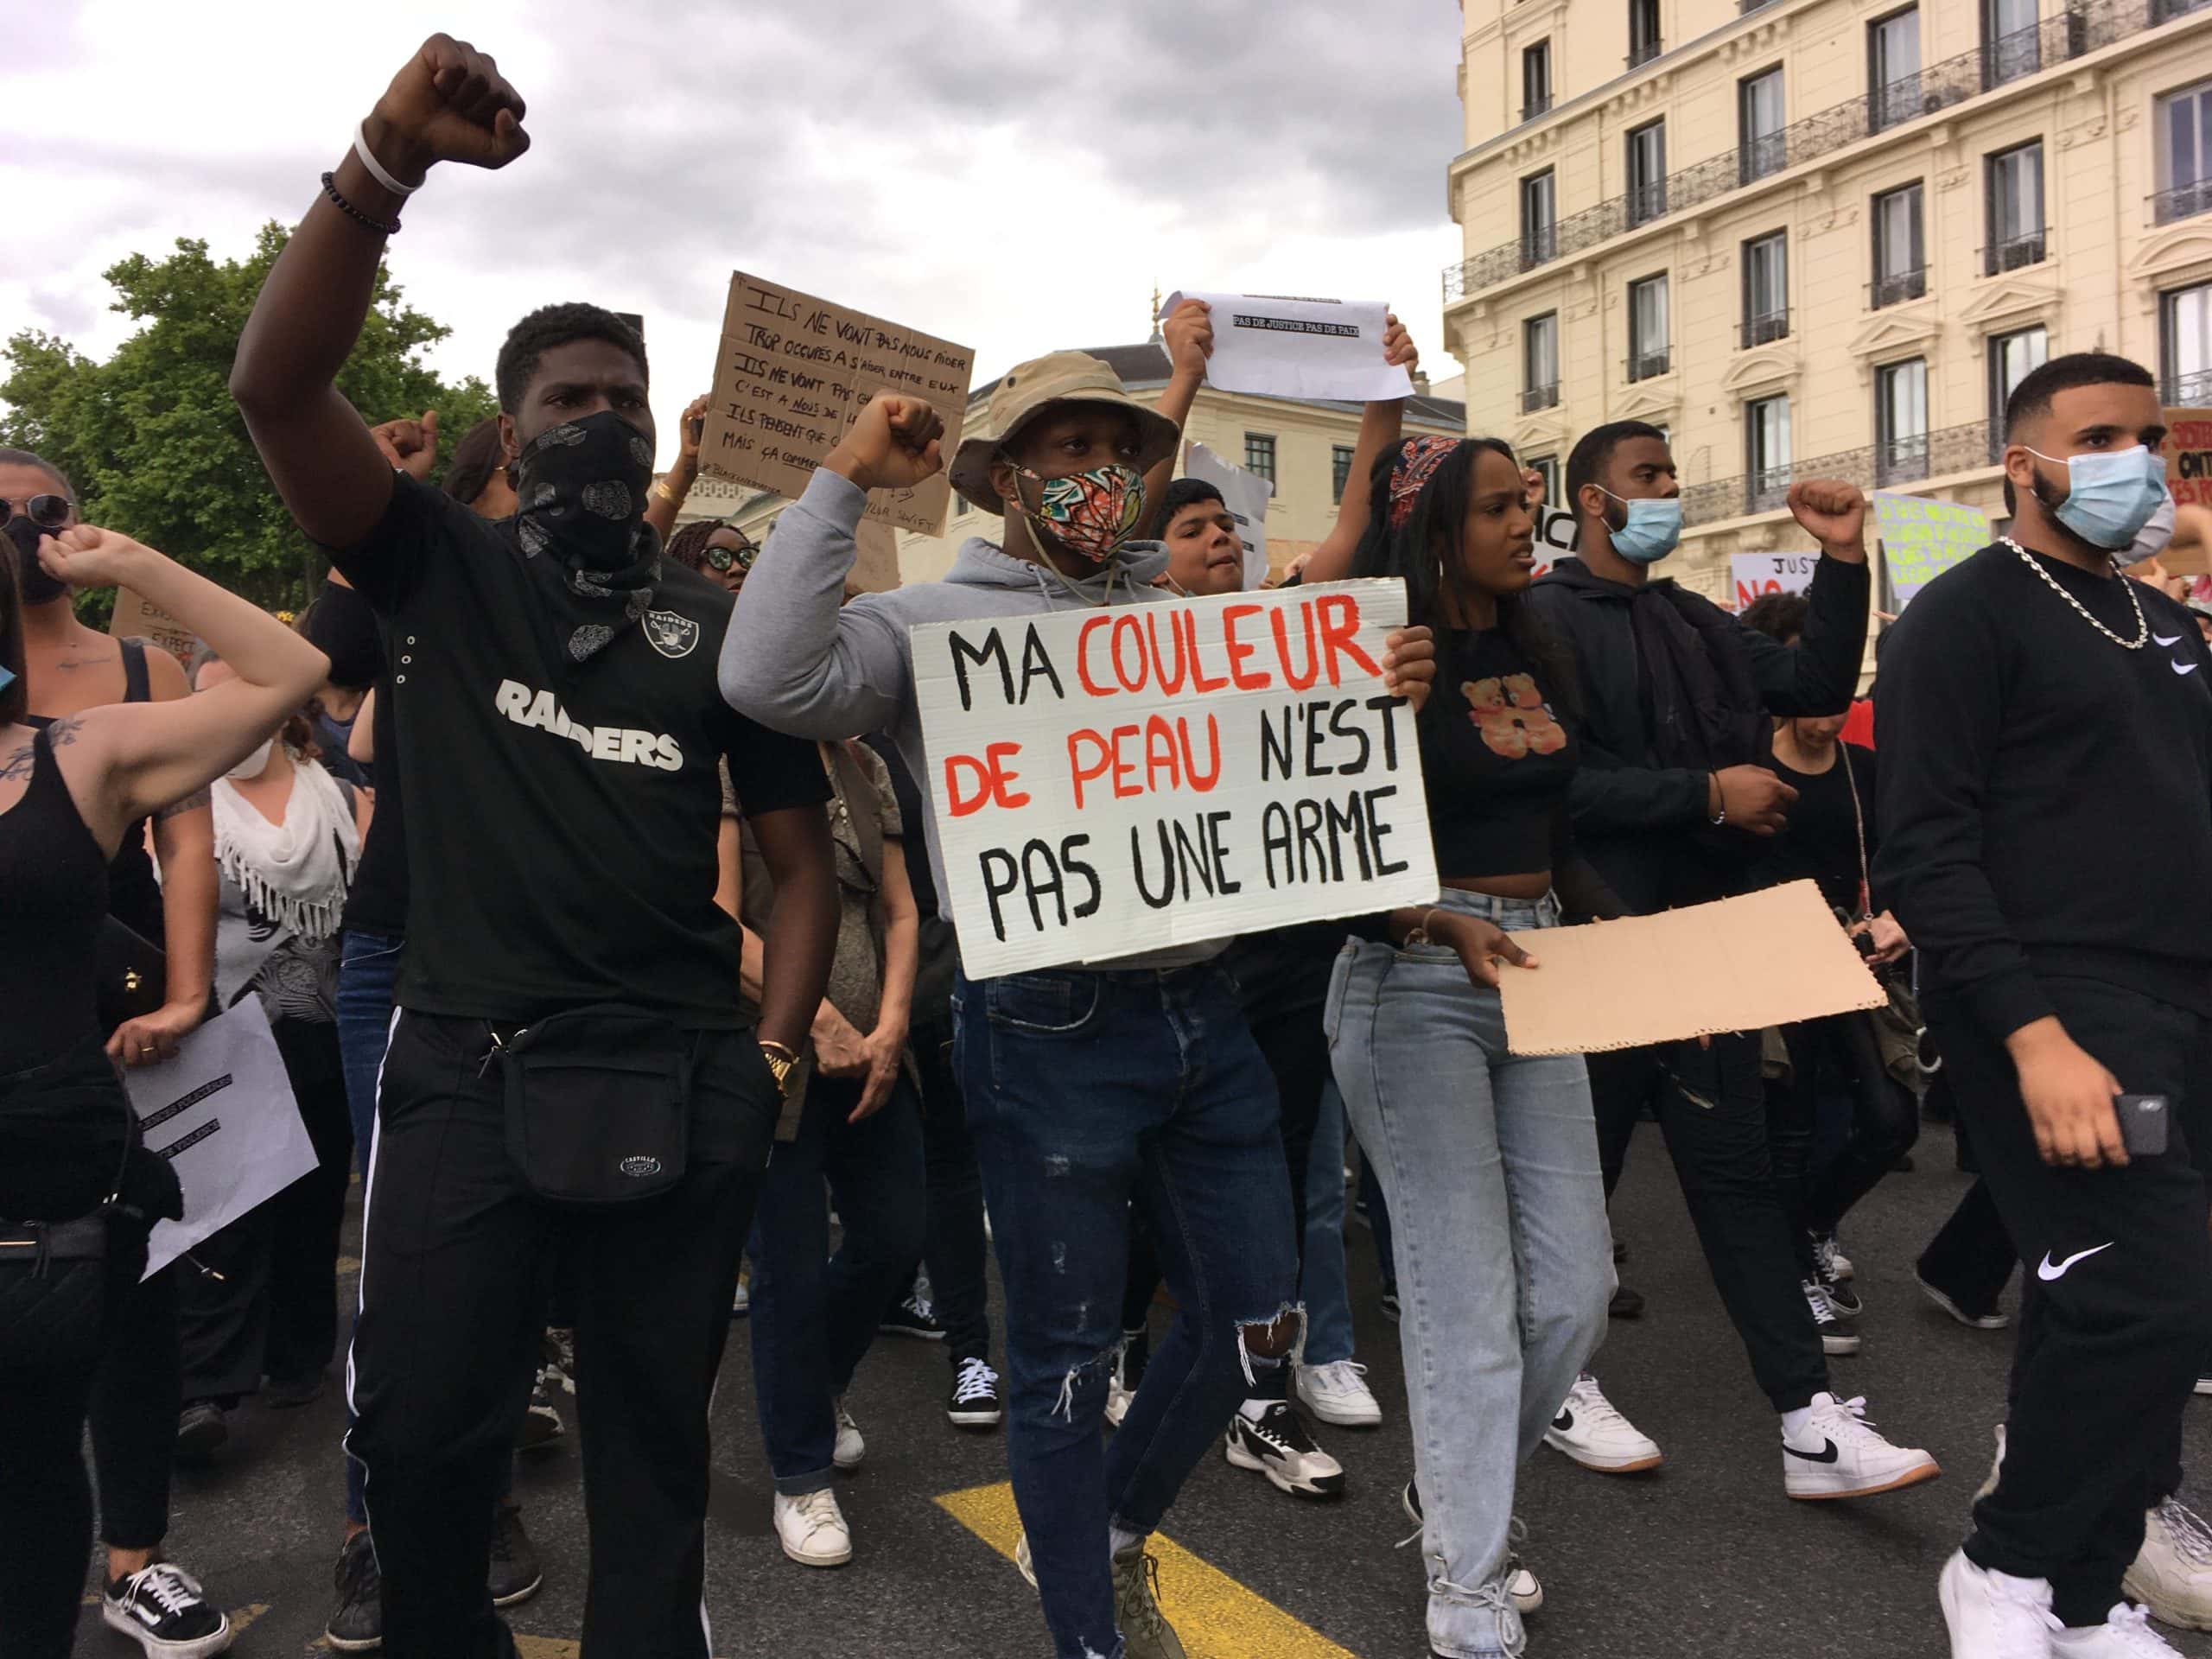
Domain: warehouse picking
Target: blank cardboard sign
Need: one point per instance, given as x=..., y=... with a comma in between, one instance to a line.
x=1763, y=959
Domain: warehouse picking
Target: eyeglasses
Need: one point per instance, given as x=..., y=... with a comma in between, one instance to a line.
x=48, y=511
x=720, y=559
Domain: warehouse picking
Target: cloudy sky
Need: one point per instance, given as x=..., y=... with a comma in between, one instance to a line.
x=1007, y=173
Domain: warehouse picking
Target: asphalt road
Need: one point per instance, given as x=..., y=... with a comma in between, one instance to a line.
x=1704, y=1557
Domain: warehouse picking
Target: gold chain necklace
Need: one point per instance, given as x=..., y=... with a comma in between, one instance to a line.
x=2142, y=626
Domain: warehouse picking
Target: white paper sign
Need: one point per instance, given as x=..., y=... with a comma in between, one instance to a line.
x=1555, y=539
x=1246, y=494
x=1756, y=575
x=1276, y=346
x=1106, y=782
x=222, y=1113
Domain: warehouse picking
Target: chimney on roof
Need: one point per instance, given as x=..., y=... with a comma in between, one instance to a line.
x=1420, y=383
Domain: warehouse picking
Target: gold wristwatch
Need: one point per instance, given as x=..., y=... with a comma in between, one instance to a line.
x=783, y=1065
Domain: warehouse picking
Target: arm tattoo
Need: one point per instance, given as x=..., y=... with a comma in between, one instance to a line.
x=19, y=764
x=62, y=733
x=192, y=803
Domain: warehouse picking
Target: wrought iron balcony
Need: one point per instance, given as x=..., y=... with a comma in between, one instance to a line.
x=1896, y=287
x=2082, y=29
x=1901, y=460
x=1536, y=397
x=2014, y=254
x=2190, y=390
x=2183, y=201
x=1767, y=326
x=1648, y=365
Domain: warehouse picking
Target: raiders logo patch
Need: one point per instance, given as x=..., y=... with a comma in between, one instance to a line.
x=672, y=635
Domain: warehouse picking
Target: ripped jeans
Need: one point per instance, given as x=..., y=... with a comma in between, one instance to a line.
x=1087, y=1092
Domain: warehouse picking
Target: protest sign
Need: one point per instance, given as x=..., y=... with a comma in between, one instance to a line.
x=1921, y=539
x=1764, y=959
x=1273, y=346
x=223, y=1114
x=1756, y=575
x=793, y=371
x=1246, y=495
x=875, y=559
x=135, y=617
x=1555, y=539
x=2189, y=457
x=1109, y=782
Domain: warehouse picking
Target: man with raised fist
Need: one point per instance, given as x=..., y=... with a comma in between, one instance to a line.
x=568, y=1078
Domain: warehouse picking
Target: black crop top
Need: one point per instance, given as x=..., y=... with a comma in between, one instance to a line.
x=1498, y=757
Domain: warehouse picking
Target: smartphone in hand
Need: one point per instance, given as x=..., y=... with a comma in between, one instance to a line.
x=2142, y=1123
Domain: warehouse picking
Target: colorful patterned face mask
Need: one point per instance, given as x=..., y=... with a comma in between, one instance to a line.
x=1089, y=513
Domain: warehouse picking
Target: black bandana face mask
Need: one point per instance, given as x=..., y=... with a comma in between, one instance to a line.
x=579, y=519
x=36, y=586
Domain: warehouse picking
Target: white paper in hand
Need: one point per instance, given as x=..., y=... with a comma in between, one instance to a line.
x=222, y=1113
x=1274, y=347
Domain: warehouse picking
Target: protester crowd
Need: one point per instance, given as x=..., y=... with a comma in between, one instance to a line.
x=583, y=867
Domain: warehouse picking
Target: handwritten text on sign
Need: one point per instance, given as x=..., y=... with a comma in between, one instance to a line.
x=1110, y=782
x=1757, y=574
x=1921, y=539
x=794, y=371
x=2189, y=455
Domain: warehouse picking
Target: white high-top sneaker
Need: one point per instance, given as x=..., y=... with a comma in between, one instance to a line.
x=1994, y=1615
x=2125, y=1634
x=1838, y=1454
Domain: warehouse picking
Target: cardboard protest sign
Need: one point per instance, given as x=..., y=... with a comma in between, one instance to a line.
x=2189, y=478
x=1272, y=345
x=1756, y=575
x=792, y=372
x=1246, y=495
x=875, y=561
x=1763, y=959
x=222, y=1112
x=1555, y=539
x=135, y=617
x=1921, y=539
x=1106, y=782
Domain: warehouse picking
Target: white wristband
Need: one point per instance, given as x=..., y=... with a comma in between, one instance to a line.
x=376, y=167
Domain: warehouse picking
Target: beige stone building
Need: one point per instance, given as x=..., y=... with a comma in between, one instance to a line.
x=1822, y=237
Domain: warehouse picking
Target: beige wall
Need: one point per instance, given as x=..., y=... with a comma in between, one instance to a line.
x=2098, y=285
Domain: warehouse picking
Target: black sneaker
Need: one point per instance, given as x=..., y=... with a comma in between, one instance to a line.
x=163, y=1608
x=515, y=1574
x=1278, y=1446
x=1839, y=1333
x=357, y=1625
x=974, y=1402
x=1626, y=1304
x=1390, y=1304
x=1842, y=1295
x=200, y=1429
x=913, y=1317
x=541, y=1422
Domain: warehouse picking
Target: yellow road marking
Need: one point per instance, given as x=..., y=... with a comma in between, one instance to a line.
x=242, y=1616
x=1215, y=1617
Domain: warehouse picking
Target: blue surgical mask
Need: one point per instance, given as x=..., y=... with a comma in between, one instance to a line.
x=1653, y=530
x=2110, y=495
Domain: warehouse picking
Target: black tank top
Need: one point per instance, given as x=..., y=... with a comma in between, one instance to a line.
x=54, y=893
x=134, y=891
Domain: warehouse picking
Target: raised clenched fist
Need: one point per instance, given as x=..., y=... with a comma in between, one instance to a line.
x=1832, y=513
x=448, y=102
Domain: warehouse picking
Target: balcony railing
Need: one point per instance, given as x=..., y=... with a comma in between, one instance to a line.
x=1901, y=460
x=1536, y=106
x=1767, y=326
x=1643, y=52
x=2081, y=30
x=1649, y=365
x=1536, y=397
x=1896, y=287
x=2190, y=390
x=1647, y=201
x=2015, y=253
x=2183, y=201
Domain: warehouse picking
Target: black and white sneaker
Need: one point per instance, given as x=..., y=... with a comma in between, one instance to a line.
x=1829, y=1257
x=513, y=1575
x=357, y=1625
x=541, y=1421
x=201, y=1428
x=974, y=1402
x=914, y=1316
x=1390, y=1303
x=1839, y=1335
x=1276, y=1445
x=163, y=1608
x=1842, y=1294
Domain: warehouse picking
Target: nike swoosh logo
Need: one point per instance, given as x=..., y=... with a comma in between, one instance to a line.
x=1564, y=1421
x=2048, y=1274
x=2166, y=639
x=2182, y=668
x=1826, y=1455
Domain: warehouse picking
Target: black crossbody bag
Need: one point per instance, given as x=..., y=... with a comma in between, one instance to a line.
x=598, y=1103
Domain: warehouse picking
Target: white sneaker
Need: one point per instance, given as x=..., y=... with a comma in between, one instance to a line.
x=1839, y=1455
x=1994, y=1615
x=1336, y=1393
x=1523, y=1586
x=851, y=1449
x=2173, y=1572
x=812, y=1530
x=2125, y=1634
x=1590, y=1431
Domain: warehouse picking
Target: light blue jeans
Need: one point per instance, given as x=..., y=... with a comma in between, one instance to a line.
x=1322, y=1286
x=1504, y=1259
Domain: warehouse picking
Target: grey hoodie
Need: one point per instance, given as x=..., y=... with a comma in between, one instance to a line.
x=799, y=658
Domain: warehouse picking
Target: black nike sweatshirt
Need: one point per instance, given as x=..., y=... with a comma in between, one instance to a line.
x=2036, y=777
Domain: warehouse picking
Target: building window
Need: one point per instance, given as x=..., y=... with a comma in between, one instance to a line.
x=2015, y=190
x=1538, y=218
x=2012, y=41
x=1893, y=69
x=2185, y=140
x=1766, y=451
x=1540, y=362
x=1759, y=105
x=1546, y=469
x=1535, y=79
x=1901, y=421
x=1259, y=455
x=1339, y=470
x=1900, y=255
x=1647, y=172
x=1766, y=288
x=2012, y=358
x=1646, y=327
x=2185, y=345
x=1642, y=32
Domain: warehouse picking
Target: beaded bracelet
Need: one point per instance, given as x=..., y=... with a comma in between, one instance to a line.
x=330, y=190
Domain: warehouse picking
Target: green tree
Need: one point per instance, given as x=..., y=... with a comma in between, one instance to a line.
x=155, y=447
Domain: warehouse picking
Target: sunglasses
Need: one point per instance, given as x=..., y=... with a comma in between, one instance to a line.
x=720, y=559
x=47, y=511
